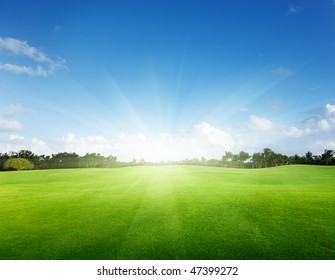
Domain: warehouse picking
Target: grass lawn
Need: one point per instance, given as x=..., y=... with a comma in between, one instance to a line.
x=168, y=212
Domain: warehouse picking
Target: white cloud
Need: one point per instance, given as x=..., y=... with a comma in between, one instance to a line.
x=261, y=123
x=39, y=146
x=17, y=142
x=82, y=145
x=214, y=135
x=325, y=120
x=319, y=146
x=18, y=47
x=16, y=69
x=9, y=125
x=324, y=124
x=68, y=138
x=14, y=47
x=293, y=132
x=15, y=137
x=330, y=108
x=203, y=140
x=282, y=71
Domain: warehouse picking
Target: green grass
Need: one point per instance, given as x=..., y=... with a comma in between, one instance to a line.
x=168, y=212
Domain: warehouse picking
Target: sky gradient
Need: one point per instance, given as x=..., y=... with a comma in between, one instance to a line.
x=164, y=80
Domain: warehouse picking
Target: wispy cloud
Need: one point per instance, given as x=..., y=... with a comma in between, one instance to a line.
x=314, y=125
x=16, y=108
x=17, y=69
x=9, y=125
x=282, y=71
x=261, y=123
x=293, y=9
x=18, y=47
x=15, y=137
x=214, y=135
x=45, y=65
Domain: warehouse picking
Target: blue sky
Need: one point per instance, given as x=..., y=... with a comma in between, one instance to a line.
x=166, y=80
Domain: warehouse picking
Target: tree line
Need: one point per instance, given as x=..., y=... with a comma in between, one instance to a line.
x=56, y=161
x=25, y=159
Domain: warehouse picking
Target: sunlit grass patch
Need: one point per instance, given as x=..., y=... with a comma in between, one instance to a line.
x=168, y=212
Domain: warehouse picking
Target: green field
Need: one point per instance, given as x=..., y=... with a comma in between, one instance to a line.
x=168, y=212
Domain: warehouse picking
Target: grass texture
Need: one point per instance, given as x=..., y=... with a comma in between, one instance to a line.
x=168, y=212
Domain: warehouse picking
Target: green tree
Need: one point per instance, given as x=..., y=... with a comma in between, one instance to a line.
x=18, y=164
x=64, y=160
x=243, y=157
x=92, y=160
x=269, y=156
x=258, y=160
x=227, y=159
x=235, y=160
x=3, y=158
x=309, y=159
x=327, y=157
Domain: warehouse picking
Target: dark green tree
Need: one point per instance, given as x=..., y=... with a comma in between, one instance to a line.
x=257, y=160
x=327, y=157
x=3, y=158
x=309, y=159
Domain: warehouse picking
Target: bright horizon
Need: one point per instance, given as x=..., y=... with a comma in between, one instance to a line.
x=167, y=80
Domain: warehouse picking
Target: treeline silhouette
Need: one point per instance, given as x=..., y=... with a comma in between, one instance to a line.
x=25, y=159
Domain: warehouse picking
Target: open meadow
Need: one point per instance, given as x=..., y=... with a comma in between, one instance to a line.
x=168, y=212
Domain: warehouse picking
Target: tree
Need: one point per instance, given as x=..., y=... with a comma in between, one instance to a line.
x=243, y=157
x=64, y=160
x=3, y=158
x=309, y=159
x=27, y=155
x=214, y=162
x=92, y=160
x=43, y=162
x=327, y=157
x=317, y=159
x=296, y=159
x=18, y=164
x=268, y=157
x=111, y=161
x=235, y=161
x=227, y=159
x=258, y=160
x=278, y=159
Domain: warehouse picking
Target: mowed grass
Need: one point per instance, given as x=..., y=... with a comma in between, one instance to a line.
x=168, y=212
